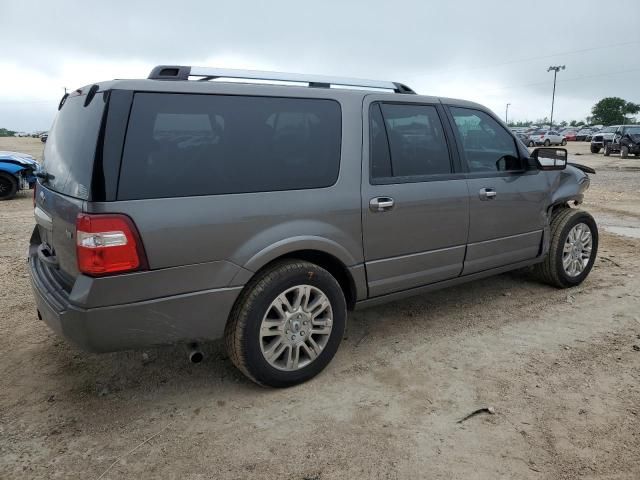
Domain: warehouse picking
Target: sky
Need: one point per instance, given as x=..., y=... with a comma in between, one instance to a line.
x=492, y=51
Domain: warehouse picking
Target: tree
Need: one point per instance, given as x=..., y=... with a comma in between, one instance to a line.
x=6, y=133
x=613, y=110
x=563, y=123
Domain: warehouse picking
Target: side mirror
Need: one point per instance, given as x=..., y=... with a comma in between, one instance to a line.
x=550, y=158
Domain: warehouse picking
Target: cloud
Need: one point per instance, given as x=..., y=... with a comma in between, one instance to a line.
x=492, y=52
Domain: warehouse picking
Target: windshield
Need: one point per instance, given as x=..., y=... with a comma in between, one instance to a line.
x=70, y=149
x=608, y=130
x=632, y=130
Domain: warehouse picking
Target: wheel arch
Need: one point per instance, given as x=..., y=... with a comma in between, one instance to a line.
x=321, y=251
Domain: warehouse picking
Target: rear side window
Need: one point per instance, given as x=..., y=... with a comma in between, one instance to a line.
x=407, y=141
x=487, y=146
x=70, y=150
x=185, y=145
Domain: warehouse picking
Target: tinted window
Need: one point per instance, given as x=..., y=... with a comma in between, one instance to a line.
x=487, y=146
x=71, y=146
x=416, y=141
x=380, y=156
x=184, y=145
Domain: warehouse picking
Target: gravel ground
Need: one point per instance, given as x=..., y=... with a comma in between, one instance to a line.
x=561, y=369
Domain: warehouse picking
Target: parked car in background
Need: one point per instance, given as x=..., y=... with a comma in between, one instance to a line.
x=43, y=137
x=17, y=172
x=546, y=138
x=601, y=138
x=582, y=135
x=261, y=213
x=625, y=141
x=569, y=135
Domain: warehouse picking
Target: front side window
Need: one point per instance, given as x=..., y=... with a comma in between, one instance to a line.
x=407, y=141
x=487, y=146
x=181, y=145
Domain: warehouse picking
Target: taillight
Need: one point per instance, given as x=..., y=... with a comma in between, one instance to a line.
x=108, y=243
x=541, y=136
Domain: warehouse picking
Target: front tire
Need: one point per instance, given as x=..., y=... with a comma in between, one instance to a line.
x=564, y=142
x=624, y=151
x=572, y=250
x=531, y=144
x=8, y=186
x=287, y=324
x=595, y=149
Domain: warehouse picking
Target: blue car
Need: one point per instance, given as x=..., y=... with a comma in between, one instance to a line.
x=17, y=172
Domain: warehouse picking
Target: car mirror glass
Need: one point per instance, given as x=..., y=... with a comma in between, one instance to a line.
x=550, y=158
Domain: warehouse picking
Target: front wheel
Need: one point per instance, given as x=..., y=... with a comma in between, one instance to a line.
x=573, y=248
x=564, y=142
x=595, y=149
x=287, y=324
x=8, y=186
x=624, y=151
x=531, y=144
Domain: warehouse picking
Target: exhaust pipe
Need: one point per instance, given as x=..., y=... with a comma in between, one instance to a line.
x=195, y=354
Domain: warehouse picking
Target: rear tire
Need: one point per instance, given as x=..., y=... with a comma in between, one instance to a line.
x=561, y=268
x=271, y=315
x=8, y=186
x=531, y=144
x=624, y=151
x=607, y=150
x=547, y=142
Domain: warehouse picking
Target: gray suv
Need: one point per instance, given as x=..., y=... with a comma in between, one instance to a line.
x=183, y=208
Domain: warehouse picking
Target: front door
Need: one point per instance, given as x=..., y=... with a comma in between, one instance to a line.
x=507, y=200
x=415, y=205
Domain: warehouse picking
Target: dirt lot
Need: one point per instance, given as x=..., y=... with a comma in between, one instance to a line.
x=560, y=368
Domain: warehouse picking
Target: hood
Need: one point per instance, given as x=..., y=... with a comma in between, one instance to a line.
x=19, y=158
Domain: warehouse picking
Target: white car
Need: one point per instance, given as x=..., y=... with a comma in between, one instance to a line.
x=546, y=138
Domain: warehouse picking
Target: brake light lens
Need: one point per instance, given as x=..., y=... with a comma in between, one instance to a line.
x=108, y=243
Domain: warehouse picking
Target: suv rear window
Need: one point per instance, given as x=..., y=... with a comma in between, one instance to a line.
x=185, y=145
x=71, y=146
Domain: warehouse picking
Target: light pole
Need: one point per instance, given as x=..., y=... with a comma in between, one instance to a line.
x=506, y=114
x=553, y=96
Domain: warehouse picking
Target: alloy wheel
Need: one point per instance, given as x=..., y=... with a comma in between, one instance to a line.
x=296, y=327
x=577, y=250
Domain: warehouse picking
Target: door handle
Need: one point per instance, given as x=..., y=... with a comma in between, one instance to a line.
x=381, y=204
x=487, y=194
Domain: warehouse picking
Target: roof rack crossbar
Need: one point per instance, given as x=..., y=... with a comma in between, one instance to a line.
x=176, y=72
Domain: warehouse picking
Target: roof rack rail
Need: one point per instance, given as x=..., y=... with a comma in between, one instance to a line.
x=181, y=72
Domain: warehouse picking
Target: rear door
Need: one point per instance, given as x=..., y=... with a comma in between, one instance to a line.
x=507, y=200
x=68, y=161
x=415, y=207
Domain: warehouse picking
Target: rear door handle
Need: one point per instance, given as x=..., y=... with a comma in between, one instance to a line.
x=487, y=194
x=381, y=204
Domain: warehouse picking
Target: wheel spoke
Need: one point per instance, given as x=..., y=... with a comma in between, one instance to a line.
x=313, y=349
x=276, y=350
x=283, y=304
x=322, y=330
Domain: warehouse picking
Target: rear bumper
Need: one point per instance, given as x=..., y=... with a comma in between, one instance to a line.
x=187, y=317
